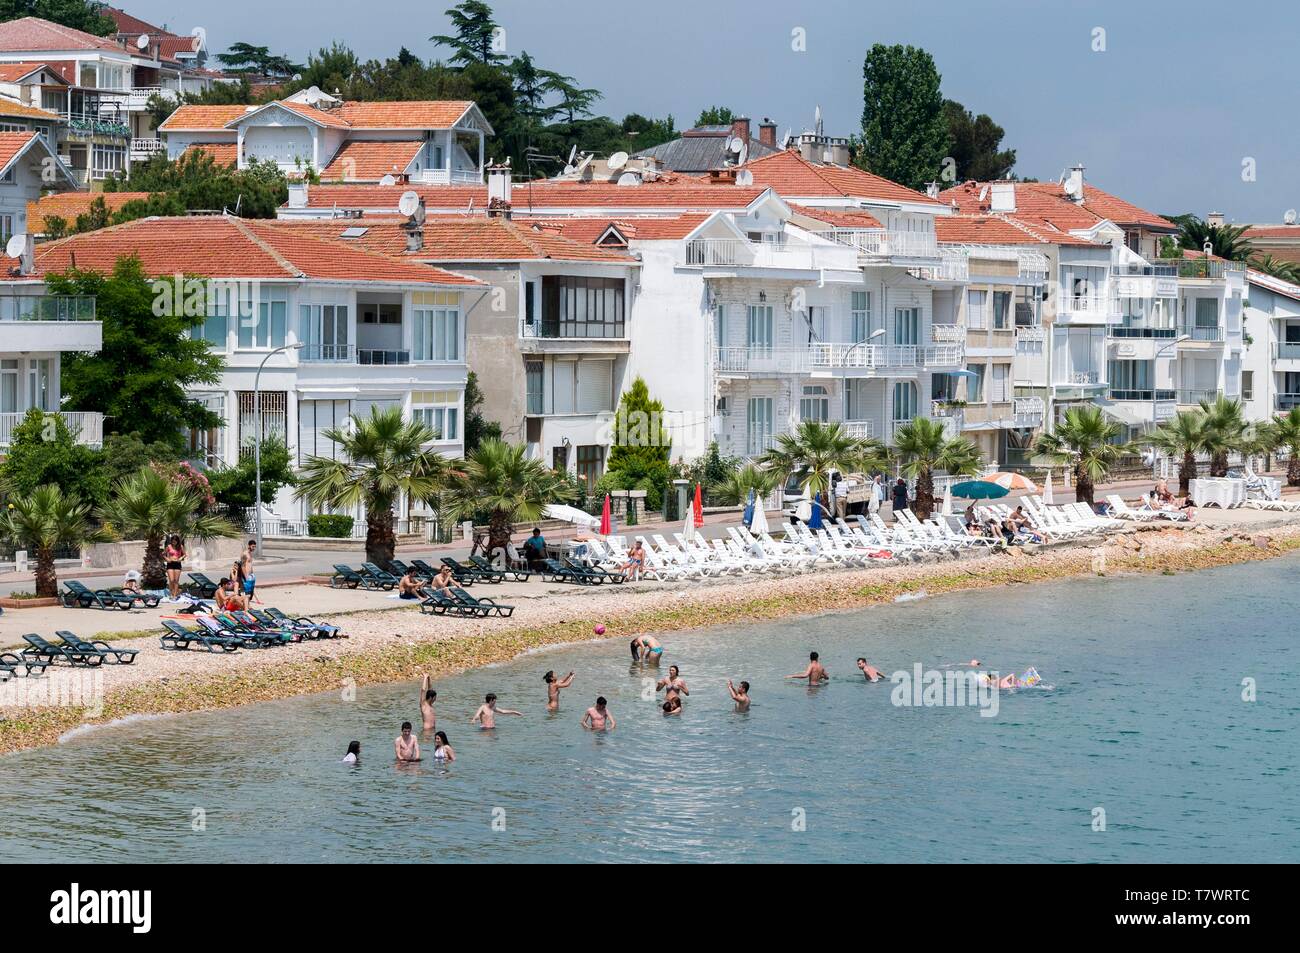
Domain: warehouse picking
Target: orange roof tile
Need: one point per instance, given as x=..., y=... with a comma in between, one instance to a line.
x=223, y=153
x=229, y=247
x=68, y=205
x=791, y=175
x=633, y=228
x=1047, y=202
x=208, y=118
x=410, y=114
x=35, y=34
x=840, y=218
x=11, y=144
x=545, y=194
x=13, y=72
x=9, y=107
x=1272, y=232
x=360, y=161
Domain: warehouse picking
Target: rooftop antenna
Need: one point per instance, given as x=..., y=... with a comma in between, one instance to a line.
x=568, y=166
x=1289, y=217
x=408, y=203
x=142, y=42
x=744, y=177
x=617, y=161
x=388, y=180
x=785, y=140
x=629, y=178
x=817, y=121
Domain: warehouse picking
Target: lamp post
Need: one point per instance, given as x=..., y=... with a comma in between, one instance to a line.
x=1160, y=350
x=844, y=370
x=257, y=436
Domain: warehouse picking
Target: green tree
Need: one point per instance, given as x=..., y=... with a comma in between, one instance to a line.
x=715, y=116
x=85, y=15
x=125, y=454
x=1277, y=267
x=735, y=486
x=474, y=33
x=1225, y=240
x=974, y=142
x=1225, y=430
x=642, y=443
x=44, y=451
x=477, y=427
x=237, y=486
x=1284, y=434
x=1085, y=440
x=197, y=182
x=500, y=479
x=381, y=460
x=922, y=447
x=815, y=449
x=151, y=506
x=904, y=130
x=328, y=69
x=257, y=60
x=43, y=520
x=139, y=377
x=1182, y=437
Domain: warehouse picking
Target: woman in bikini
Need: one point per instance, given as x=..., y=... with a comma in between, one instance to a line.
x=175, y=556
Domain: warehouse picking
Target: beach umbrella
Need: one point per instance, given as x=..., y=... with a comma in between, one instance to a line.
x=979, y=490
x=569, y=514
x=699, y=506
x=1012, y=482
x=758, y=525
x=749, y=509
x=604, y=518
x=688, y=531
x=947, y=501
x=1047, y=490
x=815, y=518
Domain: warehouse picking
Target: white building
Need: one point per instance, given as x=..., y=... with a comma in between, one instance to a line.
x=1270, y=376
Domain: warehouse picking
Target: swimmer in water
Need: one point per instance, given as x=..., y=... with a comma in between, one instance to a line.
x=673, y=706
x=673, y=683
x=354, y=753
x=485, y=717
x=646, y=648
x=739, y=696
x=405, y=746
x=427, y=697
x=815, y=672
x=441, y=750
x=869, y=672
x=598, y=717
x=553, y=686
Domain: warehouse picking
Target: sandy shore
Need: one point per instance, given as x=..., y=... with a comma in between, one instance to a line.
x=393, y=642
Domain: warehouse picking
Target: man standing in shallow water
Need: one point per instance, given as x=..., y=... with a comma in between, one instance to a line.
x=739, y=696
x=485, y=717
x=815, y=672
x=869, y=671
x=598, y=717
x=427, y=697
x=553, y=686
x=405, y=746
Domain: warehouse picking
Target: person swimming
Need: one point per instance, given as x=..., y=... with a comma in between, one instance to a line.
x=815, y=672
x=739, y=696
x=598, y=717
x=441, y=749
x=673, y=683
x=354, y=753
x=485, y=717
x=673, y=706
x=406, y=747
x=427, y=697
x=869, y=671
x=553, y=686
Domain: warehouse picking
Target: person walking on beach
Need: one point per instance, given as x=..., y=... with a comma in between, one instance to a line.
x=175, y=556
x=815, y=672
x=869, y=671
x=485, y=717
x=405, y=745
x=427, y=698
x=598, y=717
x=739, y=696
x=553, y=686
x=899, y=497
x=673, y=684
x=441, y=749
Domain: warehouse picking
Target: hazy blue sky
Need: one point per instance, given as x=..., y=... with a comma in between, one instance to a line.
x=1165, y=116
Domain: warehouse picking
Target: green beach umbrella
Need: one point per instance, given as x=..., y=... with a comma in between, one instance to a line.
x=979, y=490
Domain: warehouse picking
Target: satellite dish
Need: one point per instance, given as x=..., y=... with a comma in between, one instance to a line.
x=617, y=161
x=142, y=42
x=16, y=246
x=629, y=178
x=200, y=38
x=572, y=152
x=388, y=180
x=744, y=177
x=1289, y=217
x=785, y=141
x=408, y=203
x=735, y=144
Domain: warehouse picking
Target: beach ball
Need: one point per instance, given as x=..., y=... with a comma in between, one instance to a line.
x=599, y=630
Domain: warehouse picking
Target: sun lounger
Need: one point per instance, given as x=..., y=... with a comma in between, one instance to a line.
x=201, y=585
x=437, y=602
x=555, y=571
x=10, y=663
x=83, y=598
x=346, y=576
x=605, y=574
x=224, y=623
x=309, y=628
x=109, y=653
x=518, y=575
x=462, y=573
x=383, y=579
x=38, y=648
x=178, y=637
x=482, y=606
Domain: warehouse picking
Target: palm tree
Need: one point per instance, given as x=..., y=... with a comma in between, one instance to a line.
x=1084, y=440
x=1278, y=268
x=1284, y=434
x=149, y=506
x=381, y=459
x=1182, y=436
x=815, y=449
x=1225, y=430
x=44, y=520
x=922, y=446
x=1225, y=240
x=735, y=487
x=497, y=477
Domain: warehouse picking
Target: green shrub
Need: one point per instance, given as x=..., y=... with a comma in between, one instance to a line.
x=334, y=525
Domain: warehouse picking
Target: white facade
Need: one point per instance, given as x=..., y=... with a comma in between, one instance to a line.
x=1271, y=359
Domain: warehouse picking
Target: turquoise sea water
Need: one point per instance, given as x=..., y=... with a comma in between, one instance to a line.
x=1145, y=721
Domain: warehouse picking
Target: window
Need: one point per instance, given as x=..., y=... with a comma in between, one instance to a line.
x=275, y=418
x=560, y=459
x=720, y=325
x=758, y=425
x=582, y=307
x=591, y=464
x=436, y=317
x=1247, y=385
x=943, y=387
x=975, y=384
x=534, y=388
x=1027, y=300
x=375, y=312
x=582, y=387
x=265, y=329
x=216, y=325
x=8, y=386
x=6, y=227
x=907, y=326
x=1129, y=380
x=815, y=404
x=106, y=160
x=759, y=332
x=905, y=401
x=975, y=316
x=439, y=410
x=205, y=444
x=324, y=331
x=530, y=302
x=999, y=391
x=1001, y=310
x=856, y=399
x=860, y=314
x=8, y=177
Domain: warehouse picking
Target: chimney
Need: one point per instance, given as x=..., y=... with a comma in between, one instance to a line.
x=740, y=128
x=297, y=195
x=932, y=189
x=1074, y=185
x=1214, y=219
x=1002, y=197
x=498, y=190
x=767, y=132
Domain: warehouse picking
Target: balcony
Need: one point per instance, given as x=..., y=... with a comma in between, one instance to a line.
x=1145, y=395
x=825, y=357
x=48, y=308
x=1165, y=269
x=1027, y=411
x=137, y=99
x=951, y=426
x=1201, y=333
x=87, y=425
x=349, y=354
x=1138, y=331
x=954, y=265
x=1088, y=309
x=1286, y=351
x=947, y=334
x=739, y=253
x=887, y=244
x=554, y=337
x=39, y=323
x=1208, y=268
x=447, y=177
x=1287, y=401
x=859, y=429
x=142, y=149
x=1191, y=398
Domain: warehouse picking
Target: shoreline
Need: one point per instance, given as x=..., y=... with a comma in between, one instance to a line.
x=434, y=647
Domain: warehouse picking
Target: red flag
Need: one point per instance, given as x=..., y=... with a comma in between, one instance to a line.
x=699, y=507
x=604, y=518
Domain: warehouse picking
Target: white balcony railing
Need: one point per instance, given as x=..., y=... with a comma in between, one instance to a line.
x=1188, y=397
x=948, y=333
x=885, y=243
x=144, y=148
x=88, y=426
x=138, y=98
x=824, y=356
x=860, y=429
x=1089, y=305
x=445, y=177
x=1028, y=411
x=1286, y=352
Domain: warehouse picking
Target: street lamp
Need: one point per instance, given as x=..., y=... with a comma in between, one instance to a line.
x=257, y=436
x=844, y=370
x=1160, y=350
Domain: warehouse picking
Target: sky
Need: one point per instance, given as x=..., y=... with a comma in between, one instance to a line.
x=1177, y=107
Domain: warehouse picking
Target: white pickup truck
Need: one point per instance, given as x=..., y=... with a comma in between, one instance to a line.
x=798, y=502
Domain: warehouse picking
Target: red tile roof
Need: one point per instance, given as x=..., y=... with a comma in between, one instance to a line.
x=206, y=118
x=1273, y=232
x=223, y=153
x=229, y=247
x=11, y=144
x=13, y=72
x=169, y=47
x=840, y=218
x=545, y=194
x=9, y=107
x=791, y=175
x=68, y=205
x=359, y=161
x=33, y=33
x=1047, y=202
x=130, y=25
x=410, y=114
x=633, y=228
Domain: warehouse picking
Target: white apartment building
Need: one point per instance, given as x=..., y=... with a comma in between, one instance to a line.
x=1270, y=376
